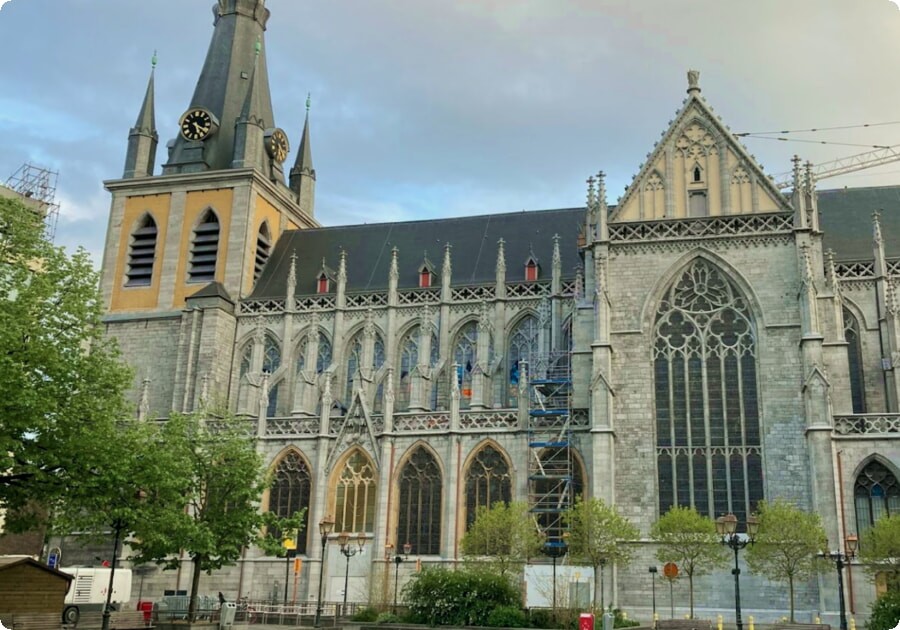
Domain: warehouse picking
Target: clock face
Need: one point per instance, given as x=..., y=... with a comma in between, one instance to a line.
x=277, y=145
x=196, y=124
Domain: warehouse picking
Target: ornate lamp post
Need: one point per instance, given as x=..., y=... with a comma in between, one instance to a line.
x=726, y=527
x=349, y=551
x=555, y=549
x=652, y=571
x=841, y=560
x=325, y=527
x=407, y=549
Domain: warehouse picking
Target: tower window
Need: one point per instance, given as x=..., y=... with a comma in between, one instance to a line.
x=142, y=253
x=263, y=249
x=698, y=176
x=205, y=249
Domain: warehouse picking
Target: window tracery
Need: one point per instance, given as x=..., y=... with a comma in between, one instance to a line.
x=271, y=355
x=419, y=520
x=323, y=359
x=290, y=492
x=465, y=349
x=854, y=358
x=875, y=494
x=709, y=453
x=523, y=347
x=487, y=482
x=355, y=495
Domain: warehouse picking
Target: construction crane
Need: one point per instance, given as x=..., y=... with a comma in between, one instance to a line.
x=842, y=166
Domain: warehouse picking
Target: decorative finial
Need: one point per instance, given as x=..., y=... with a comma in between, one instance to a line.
x=693, y=81
x=308, y=101
x=153, y=60
x=591, y=195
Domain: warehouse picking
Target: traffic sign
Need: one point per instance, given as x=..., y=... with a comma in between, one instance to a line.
x=670, y=570
x=53, y=559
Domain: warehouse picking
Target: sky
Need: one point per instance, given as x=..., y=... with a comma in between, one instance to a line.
x=441, y=108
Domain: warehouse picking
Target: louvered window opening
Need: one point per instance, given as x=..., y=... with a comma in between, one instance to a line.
x=263, y=250
x=709, y=453
x=875, y=494
x=420, y=504
x=854, y=357
x=487, y=482
x=204, y=250
x=142, y=254
x=355, y=495
x=290, y=493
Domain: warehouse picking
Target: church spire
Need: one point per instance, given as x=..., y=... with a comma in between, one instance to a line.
x=303, y=175
x=143, y=138
x=228, y=75
x=249, y=129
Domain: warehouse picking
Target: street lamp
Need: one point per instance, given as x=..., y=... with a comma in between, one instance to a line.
x=407, y=549
x=555, y=549
x=726, y=527
x=349, y=551
x=652, y=571
x=842, y=560
x=325, y=527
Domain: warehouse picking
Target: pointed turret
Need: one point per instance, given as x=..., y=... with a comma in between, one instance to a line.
x=303, y=175
x=223, y=86
x=143, y=138
x=250, y=128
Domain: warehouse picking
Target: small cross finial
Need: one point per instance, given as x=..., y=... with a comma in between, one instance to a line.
x=153, y=60
x=308, y=101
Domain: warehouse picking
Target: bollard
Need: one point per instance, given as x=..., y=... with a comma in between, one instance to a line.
x=818, y=619
x=719, y=622
x=852, y=623
x=750, y=621
x=655, y=619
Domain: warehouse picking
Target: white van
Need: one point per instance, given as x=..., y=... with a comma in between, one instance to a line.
x=88, y=590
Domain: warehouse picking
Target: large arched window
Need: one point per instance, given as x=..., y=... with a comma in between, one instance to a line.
x=709, y=454
x=420, y=504
x=355, y=360
x=487, y=481
x=465, y=348
x=323, y=358
x=409, y=359
x=204, y=249
x=263, y=249
x=354, y=506
x=142, y=253
x=271, y=355
x=523, y=347
x=272, y=403
x=875, y=494
x=290, y=492
x=854, y=357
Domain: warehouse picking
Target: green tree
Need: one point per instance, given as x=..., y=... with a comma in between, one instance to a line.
x=597, y=533
x=222, y=481
x=690, y=541
x=503, y=535
x=787, y=543
x=62, y=383
x=467, y=597
x=879, y=549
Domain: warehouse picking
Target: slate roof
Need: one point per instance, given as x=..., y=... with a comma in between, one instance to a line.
x=473, y=257
x=846, y=219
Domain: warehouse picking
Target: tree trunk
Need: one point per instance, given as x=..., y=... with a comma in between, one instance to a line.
x=791, y=588
x=195, y=586
x=691, y=588
x=596, y=587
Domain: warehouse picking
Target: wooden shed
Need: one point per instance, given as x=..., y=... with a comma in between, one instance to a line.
x=28, y=586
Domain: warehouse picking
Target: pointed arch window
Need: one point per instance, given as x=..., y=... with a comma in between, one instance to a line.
x=322, y=284
x=709, y=453
x=523, y=347
x=875, y=494
x=532, y=269
x=272, y=404
x=271, y=355
x=354, y=509
x=204, y=249
x=356, y=362
x=290, y=492
x=323, y=357
x=408, y=360
x=246, y=359
x=487, y=482
x=142, y=253
x=854, y=357
x=465, y=348
x=263, y=249
x=420, y=504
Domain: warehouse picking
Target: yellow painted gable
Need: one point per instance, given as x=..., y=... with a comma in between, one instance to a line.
x=699, y=169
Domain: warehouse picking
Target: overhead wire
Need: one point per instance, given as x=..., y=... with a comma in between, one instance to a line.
x=817, y=129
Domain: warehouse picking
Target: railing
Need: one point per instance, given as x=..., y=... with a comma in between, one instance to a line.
x=867, y=424
x=707, y=227
x=508, y=419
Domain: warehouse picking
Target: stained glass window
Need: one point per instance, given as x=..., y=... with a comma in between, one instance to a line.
x=523, y=346
x=271, y=355
x=487, y=482
x=709, y=454
x=420, y=504
x=355, y=358
x=464, y=355
x=854, y=356
x=323, y=360
x=290, y=491
x=875, y=494
x=272, y=405
x=355, y=495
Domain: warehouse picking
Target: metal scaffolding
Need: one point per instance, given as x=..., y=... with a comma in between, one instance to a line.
x=39, y=184
x=550, y=474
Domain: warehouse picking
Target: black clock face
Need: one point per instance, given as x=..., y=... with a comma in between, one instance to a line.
x=277, y=145
x=196, y=124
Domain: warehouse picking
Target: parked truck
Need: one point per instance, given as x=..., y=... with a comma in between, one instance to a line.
x=89, y=587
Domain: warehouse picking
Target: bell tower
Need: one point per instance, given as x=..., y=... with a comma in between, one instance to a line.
x=200, y=230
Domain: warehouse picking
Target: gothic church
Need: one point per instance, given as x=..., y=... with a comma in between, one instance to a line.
x=708, y=341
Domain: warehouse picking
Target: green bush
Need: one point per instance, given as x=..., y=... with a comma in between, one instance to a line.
x=366, y=614
x=466, y=597
x=507, y=617
x=387, y=617
x=885, y=612
x=541, y=618
x=620, y=621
